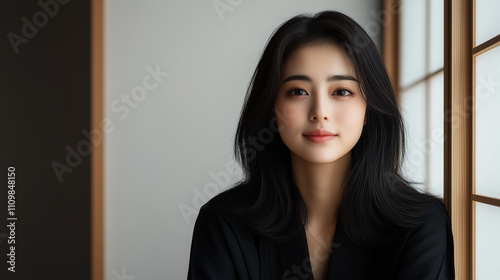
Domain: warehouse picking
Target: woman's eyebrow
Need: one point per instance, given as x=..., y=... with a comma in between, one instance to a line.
x=330, y=79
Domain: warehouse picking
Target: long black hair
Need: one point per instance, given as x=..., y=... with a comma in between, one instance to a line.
x=376, y=198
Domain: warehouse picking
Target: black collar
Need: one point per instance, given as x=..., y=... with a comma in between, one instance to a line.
x=345, y=260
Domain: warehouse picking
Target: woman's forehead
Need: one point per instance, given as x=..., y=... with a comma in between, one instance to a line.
x=319, y=60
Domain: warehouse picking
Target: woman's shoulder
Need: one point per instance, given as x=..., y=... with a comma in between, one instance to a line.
x=426, y=249
x=433, y=223
x=226, y=200
x=223, y=206
x=434, y=215
x=221, y=246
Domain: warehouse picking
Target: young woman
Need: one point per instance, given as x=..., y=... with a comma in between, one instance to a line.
x=321, y=141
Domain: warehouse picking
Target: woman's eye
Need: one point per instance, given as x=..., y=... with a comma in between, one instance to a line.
x=342, y=92
x=297, y=91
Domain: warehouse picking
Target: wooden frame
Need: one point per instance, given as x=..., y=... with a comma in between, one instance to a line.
x=476, y=51
x=458, y=129
x=391, y=43
x=460, y=52
x=97, y=167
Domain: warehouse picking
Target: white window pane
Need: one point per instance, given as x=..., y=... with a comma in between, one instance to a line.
x=436, y=44
x=413, y=41
x=487, y=20
x=413, y=110
x=487, y=241
x=435, y=139
x=487, y=123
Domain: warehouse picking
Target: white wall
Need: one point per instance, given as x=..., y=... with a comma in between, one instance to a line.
x=160, y=151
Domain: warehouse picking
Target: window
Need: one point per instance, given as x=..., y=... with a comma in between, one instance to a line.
x=421, y=92
x=486, y=132
x=443, y=58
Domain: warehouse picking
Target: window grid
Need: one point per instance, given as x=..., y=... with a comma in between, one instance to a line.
x=477, y=198
x=459, y=74
x=426, y=80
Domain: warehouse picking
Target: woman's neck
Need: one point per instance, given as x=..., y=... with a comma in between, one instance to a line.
x=321, y=188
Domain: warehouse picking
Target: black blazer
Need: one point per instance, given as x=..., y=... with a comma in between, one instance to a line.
x=223, y=248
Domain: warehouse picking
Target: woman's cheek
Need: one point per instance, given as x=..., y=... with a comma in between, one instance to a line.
x=287, y=115
x=352, y=116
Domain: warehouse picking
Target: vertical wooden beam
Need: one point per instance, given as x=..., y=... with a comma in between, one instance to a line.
x=458, y=129
x=391, y=42
x=97, y=262
x=427, y=84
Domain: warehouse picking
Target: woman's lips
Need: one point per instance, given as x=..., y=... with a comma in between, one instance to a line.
x=320, y=139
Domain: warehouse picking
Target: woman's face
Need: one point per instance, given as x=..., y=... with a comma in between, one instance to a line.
x=319, y=91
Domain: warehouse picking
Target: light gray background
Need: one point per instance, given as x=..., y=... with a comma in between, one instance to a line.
x=161, y=157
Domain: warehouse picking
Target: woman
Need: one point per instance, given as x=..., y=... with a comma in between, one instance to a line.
x=321, y=141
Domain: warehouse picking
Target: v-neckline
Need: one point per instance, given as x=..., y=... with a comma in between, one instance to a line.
x=342, y=263
x=334, y=245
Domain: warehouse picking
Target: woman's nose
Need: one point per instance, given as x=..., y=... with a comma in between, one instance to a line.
x=320, y=110
x=317, y=117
